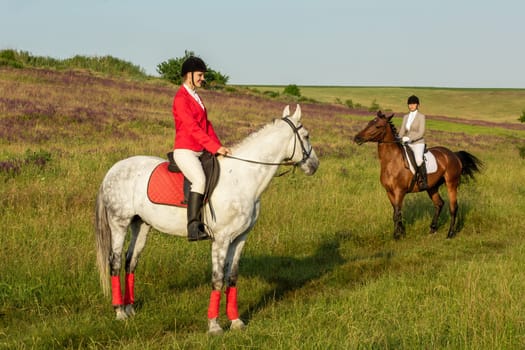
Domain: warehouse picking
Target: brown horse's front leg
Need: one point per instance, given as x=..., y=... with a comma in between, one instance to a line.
x=396, y=199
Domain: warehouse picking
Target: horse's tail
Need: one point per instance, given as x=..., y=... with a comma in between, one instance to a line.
x=470, y=165
x=103, y=242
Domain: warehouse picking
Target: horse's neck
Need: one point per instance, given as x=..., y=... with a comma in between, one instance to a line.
x=266, y=146
x=389, y=150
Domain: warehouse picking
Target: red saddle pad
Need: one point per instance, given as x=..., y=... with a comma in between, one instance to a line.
x=165, y=187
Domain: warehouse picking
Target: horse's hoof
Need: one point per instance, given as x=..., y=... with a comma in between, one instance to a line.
x=237, y=324
x=451, y=234
x=121, y=315
x=130, y=310
x=214, y=328
x=398, y=235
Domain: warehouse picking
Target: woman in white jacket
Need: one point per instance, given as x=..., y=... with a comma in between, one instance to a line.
x=412, y=134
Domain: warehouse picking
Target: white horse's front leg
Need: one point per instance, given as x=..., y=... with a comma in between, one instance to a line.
x=213, y=327
x=120, y=313
x=232, y=273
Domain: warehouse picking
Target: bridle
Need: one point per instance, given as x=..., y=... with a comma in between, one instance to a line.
x=288, y=161
x=306, y=153
x=384, y=134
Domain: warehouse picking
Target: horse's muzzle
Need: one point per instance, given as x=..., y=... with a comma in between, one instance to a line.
x=309, y=167
x=359, y=140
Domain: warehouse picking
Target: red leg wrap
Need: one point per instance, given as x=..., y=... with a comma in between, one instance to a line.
x=129, y=292
x=231, y=303
x=115, y=291
x=215, y=302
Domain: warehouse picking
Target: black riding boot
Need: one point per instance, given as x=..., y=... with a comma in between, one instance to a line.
x=422, y=181
x=195, y=226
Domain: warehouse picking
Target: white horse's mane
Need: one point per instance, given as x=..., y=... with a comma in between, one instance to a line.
x=253, y=135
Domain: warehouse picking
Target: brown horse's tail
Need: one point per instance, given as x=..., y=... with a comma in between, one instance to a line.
x=103, y=242
x=470, y=165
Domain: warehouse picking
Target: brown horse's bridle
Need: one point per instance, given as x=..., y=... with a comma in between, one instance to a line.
x=398, y=141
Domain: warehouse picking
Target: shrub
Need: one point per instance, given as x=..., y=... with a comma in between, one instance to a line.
x=292, y=90
x=8, y=58
x=374, y=107
x=522, y=117
x=349, y=103
x=271, y=94
x=171, y=71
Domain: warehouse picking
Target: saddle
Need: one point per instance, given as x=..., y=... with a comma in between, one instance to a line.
x=167, y=185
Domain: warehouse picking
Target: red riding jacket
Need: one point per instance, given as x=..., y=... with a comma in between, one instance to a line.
x=193, y=130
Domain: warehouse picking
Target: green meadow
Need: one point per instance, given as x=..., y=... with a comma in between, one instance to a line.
x=320, y=270
x=492, y=105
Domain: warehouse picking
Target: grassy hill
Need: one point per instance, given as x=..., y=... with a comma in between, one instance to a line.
x=320, y=269
x=491, y=105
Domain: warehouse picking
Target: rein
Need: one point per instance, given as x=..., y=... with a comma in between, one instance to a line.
x=258, y=162
x=288, y=162
x=390, y=142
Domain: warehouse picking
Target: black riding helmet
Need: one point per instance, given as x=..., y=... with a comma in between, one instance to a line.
x=193, y=64
x=413, y=99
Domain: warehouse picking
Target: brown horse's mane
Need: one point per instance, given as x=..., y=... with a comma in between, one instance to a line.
x=393, y=127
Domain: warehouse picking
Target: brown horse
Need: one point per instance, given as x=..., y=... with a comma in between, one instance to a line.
x=397, y=178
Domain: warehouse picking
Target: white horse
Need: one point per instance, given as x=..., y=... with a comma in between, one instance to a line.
x=122, y=202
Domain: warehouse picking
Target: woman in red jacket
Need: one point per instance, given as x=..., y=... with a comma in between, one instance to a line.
x=193, y=134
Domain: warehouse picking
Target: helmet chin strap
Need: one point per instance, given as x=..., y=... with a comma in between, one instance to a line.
x=194, y=86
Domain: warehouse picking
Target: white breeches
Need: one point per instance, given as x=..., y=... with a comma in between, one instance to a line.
x=418, y=149
x=189, y=163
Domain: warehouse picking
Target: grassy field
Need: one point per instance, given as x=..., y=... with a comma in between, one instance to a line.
x=494, y=105
x=320, y=269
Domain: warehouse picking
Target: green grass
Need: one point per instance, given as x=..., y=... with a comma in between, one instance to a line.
x=320, y=270
x=495, y=105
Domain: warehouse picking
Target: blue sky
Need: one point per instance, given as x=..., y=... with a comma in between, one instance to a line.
x=446, y=43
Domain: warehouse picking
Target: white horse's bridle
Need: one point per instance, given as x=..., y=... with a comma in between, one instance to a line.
x=288, y=161
x=306, y=153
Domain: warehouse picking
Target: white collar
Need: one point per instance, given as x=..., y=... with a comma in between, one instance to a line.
x=195, y=96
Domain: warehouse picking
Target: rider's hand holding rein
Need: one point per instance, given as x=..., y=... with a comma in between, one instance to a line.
x=223, y=151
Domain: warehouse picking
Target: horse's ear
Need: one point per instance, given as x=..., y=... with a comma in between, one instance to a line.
x=390, y=117
x=286, y=111
x=297, y=114
x=380, y=114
